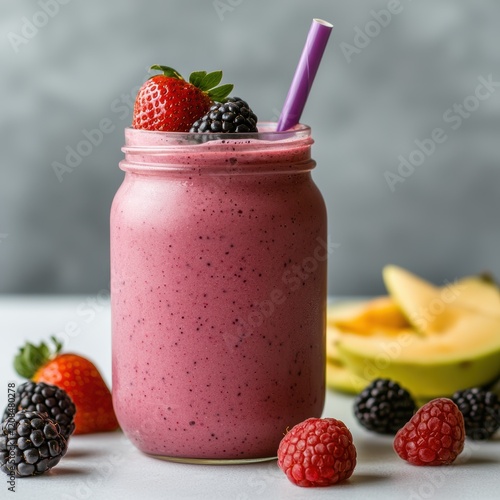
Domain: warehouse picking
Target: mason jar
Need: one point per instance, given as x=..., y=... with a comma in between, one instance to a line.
x=218, y=292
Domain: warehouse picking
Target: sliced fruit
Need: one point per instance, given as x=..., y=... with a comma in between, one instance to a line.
x=344, y=310
x=465, y=355
x=432, y=340
x=427, y=309
x=477, y=293
x=378, y=315
x=342, y=379
x=353, y=314
x=431, y=309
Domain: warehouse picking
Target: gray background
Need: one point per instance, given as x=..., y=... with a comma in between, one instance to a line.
x=83, y=65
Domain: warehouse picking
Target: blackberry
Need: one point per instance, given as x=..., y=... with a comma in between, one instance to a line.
x=45, y=398
x=31, y=443
x=481, y=411
x=233, y=115
x=384, y=406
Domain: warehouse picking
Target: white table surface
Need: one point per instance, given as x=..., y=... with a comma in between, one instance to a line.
x=107, y=466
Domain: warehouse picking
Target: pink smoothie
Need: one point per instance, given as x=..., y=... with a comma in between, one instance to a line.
x=218, y=275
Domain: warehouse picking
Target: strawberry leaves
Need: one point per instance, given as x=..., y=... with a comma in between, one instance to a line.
x=220, y=93
x=206, y=82
x=196, y=78
x=167, y=102
x=210, y=80
x=32, y=357
x=167, y=71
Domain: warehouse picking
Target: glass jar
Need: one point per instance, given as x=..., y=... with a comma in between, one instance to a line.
x=218, y=292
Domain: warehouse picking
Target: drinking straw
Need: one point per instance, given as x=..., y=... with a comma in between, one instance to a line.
x=312, y=53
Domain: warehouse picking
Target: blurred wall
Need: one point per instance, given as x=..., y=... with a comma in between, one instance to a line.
x=405, y=111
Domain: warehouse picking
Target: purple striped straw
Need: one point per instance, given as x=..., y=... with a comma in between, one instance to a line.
x=312, y=53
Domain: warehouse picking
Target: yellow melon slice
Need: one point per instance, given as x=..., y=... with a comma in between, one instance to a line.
x=477, y=293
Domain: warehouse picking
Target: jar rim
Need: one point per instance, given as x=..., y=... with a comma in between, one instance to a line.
x=146, y=139
x=266, y=150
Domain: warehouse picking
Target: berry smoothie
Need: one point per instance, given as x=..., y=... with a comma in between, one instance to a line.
x=218, y=289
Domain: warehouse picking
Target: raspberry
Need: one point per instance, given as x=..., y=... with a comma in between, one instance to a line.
x=434, y=435
x=384, y=407
x=317, y=452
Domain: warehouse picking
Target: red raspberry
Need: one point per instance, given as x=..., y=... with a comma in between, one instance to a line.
x=317, y=452
x=433, y=436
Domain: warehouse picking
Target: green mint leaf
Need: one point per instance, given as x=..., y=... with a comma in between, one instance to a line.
x=196, y=78
x=220, y=93
x=167, y=71
x=211, y=80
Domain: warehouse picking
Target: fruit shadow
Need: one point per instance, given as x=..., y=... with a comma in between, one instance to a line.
x=363, y=478
x=374, y=448
x=268, y=472
x=63, y=470
x=83, y=453
x=475, y=461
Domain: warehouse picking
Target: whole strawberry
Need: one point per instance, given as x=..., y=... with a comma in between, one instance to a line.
x=317, y=452
x=435, y=435
x=78, y=377
x=167, y=102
